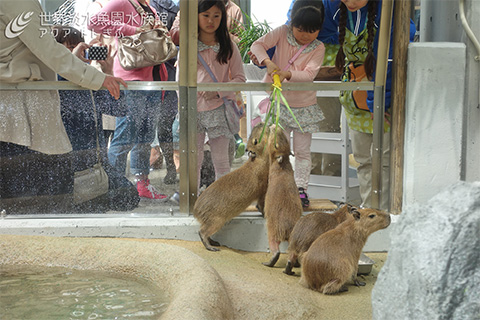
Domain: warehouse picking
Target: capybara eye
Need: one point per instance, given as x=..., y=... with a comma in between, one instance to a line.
x=371, y=216
x=255, y=141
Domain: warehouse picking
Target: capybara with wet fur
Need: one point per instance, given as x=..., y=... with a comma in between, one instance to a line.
x=283, y=206
x=332, y=259
x=309, y=228
x=231, y=194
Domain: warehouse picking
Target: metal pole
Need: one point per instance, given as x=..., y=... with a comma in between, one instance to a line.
x=379, y=100
x=188, y=104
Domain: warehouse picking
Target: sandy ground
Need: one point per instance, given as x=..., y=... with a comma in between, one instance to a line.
x=259, y=292
x=205, y=285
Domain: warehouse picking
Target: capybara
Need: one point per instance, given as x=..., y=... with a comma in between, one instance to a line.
x=332, y=259
x=309, y=228
x=231, y=194
x=283, y=206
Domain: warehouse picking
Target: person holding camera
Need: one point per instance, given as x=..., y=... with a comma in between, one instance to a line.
x=136, y=131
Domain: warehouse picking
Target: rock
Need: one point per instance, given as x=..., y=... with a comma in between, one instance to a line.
x=433, y=265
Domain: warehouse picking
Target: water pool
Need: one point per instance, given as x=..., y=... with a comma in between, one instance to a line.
x=31, y=292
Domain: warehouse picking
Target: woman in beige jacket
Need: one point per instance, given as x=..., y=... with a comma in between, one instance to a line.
x=31, y=128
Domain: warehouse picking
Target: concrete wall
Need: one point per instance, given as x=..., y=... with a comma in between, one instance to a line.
x=434, y=118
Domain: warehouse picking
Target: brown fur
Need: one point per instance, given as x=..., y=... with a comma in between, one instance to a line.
x=332, y=259
x=231, y=194
x=283, y=206
x=309, y=228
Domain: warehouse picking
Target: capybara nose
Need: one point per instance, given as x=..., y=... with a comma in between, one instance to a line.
x=389, y=220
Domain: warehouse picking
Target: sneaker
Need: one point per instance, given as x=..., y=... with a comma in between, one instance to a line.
x=146, y=190
x=175, y=198
x=304, y=197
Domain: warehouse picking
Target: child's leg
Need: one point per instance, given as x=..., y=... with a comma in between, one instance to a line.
x=303, y=160
x=200, y=144
x=220, y=156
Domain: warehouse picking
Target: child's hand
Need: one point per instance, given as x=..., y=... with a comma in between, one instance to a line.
x=271, y=67
x=253, y=58
x=283, y=75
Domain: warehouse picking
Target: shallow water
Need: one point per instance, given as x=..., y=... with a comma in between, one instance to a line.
x=28, y=292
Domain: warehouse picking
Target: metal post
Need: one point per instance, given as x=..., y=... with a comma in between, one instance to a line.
x=188, y=104
x=379, y=100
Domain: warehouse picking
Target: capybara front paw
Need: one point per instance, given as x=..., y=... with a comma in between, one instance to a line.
x=359, y=283
x=213, y=242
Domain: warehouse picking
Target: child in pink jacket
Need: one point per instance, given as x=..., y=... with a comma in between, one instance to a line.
x=223, y=58
x=306, y=22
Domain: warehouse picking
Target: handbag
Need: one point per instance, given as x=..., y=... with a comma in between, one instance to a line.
x=92, y=182
x=357, y=74
x=145, y=49
x=232, y=112
x=264, y=105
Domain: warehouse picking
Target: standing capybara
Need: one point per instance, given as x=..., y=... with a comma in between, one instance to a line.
x=332, y=259
x=283, y=206
x=231, y=194
x=309, y=228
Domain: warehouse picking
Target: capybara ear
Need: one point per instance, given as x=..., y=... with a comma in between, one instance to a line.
x=356, y=214
x=280, y=159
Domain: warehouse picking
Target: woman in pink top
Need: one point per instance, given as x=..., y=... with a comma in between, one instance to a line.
x=307, y=20
x=136, y=131
x=224, y=60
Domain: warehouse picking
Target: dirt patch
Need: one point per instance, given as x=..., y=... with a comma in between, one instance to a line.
x=259, y=292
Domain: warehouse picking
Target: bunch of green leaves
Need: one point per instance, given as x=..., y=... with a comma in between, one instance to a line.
x=248, y=33
x=273, y=113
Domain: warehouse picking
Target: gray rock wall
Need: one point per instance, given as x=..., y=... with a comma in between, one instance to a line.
x=433, y=265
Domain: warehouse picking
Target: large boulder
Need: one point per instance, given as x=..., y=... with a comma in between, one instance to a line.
x=433, y=265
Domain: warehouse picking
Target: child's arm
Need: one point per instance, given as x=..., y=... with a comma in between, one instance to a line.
x=259, y=48
x=310, y=71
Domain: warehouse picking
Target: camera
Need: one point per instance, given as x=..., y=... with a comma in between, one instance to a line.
x=96, y=53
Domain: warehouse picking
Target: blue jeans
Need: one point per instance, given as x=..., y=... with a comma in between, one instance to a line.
x=135, y=132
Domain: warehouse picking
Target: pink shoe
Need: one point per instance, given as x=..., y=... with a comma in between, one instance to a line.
x=146, y=190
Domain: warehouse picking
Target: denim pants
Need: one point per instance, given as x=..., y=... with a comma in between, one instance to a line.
x=135, y=132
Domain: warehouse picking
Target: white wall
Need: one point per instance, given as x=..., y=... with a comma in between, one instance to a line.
x=435, y=107
x=272, y=11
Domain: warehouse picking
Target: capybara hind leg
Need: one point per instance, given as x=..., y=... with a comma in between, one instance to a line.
x=206, y=243
x=272, y=261
x=288, y=268
x=334, y=286
x=292, y=260
x=275, y=249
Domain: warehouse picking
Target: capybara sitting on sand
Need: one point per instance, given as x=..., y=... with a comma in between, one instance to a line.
x=309, y=228
x=332, y=259
x=283, y=207
x=231, y=194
